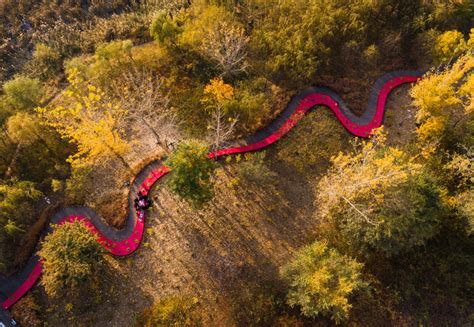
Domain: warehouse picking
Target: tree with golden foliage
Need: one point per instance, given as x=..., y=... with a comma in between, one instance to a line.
x=378, y=199
x=88, y=119
x=216, y=94
x=452, y=43
x=321, y=280
x=445, y=103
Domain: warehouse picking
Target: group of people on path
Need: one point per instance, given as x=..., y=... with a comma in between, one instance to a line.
x=141, y=203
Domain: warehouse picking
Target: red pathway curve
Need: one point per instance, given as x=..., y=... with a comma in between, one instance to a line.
x=355, y=125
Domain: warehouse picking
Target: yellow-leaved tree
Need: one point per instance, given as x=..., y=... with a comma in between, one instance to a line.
x=378, y=199
x=216, y=95
x=445, y=103
x=449, y=44
x=89, y=120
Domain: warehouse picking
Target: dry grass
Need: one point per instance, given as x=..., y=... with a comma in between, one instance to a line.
x=26, y=312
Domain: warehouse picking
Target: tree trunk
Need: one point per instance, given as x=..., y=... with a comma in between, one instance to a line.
x=218, y=129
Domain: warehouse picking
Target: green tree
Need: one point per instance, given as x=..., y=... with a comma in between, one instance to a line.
x=110, y=61
x=25, y=129
x=71, y=255
x=23, y=93
x=321, y=281
x=379, y=199
x=191, y=172
x=165, y=29
x=17, y=200
x=254, y=103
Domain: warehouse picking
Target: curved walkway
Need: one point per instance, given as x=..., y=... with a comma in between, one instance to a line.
x=124, y=242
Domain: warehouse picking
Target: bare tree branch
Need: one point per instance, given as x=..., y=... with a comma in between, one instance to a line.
x=367, y=219
x=143, y=95
x=220, y=130
x=227, y=45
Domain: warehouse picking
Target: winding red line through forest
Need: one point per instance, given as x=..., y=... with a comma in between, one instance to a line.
x=359, y=126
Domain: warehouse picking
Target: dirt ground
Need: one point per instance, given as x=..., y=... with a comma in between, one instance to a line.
x=244, y=235
x=400, y=120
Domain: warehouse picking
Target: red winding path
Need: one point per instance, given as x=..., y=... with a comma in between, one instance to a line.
x=359, y=126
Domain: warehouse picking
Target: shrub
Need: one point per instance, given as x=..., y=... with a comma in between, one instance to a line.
x=125, y=26
x=312, y=143
x=255, y=305
x=254, y=169
x=27, y=311
x=372, y=55
x=64, y=38
x=174, y=311
x=46, y=62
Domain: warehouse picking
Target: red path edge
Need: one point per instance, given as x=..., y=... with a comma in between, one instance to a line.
x=128, y=246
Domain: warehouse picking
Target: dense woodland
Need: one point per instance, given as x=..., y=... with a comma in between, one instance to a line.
x=92, y=91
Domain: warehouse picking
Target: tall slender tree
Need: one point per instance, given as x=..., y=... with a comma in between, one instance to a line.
x=216, y=95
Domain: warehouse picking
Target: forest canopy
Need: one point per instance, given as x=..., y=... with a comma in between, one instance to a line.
x=92, y=92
